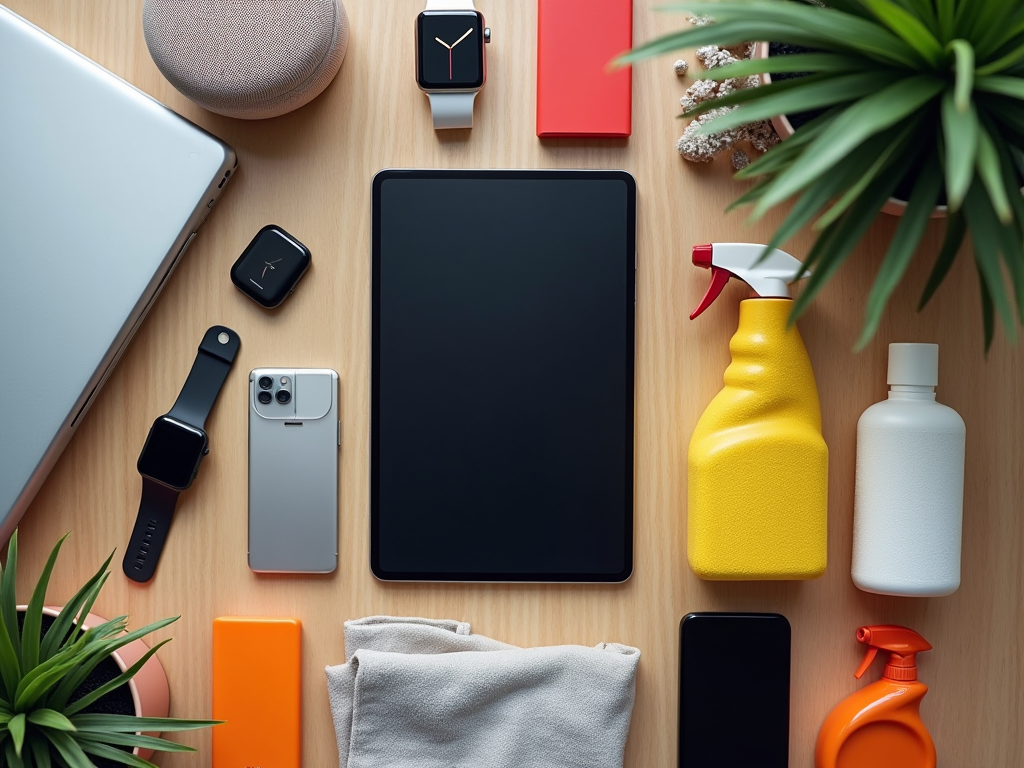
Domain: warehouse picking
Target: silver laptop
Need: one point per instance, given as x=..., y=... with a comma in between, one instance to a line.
x=101, y=191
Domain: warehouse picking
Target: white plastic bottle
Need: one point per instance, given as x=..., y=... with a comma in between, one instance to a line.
x=908, y=510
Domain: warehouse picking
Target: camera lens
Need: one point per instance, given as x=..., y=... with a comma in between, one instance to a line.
x=266, y=383
x=265, y=397
x=284, y=396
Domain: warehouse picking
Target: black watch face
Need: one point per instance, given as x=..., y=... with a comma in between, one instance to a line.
x=271, y=265
x=172, y=453
x=450, y=50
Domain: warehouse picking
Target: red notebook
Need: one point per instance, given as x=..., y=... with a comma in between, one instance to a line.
x=577, y=95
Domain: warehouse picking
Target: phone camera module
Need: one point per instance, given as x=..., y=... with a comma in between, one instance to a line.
x=266, y=383
x=284, y=396
x=265, y=397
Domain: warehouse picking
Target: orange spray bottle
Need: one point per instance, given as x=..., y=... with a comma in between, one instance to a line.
x=880, y=725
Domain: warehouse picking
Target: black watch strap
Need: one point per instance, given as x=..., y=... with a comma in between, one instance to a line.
x=150, y=532
x=213, y=363
x=156, y=510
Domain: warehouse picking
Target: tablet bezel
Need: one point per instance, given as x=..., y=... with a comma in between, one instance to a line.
x=629, y=265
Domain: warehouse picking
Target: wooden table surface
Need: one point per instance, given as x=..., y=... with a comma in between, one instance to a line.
x=310, y=172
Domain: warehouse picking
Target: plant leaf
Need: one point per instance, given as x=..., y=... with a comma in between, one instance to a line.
x=31, y=633
x=134, y=740
x=902, y=247
x=124, y=677
x=835, y=243
x=861, y=120
x=16, y=726
x=963, y=59
x=988, y=315
x=89, y=722
x=783, y=153
x=68, y=749
x=824, y=189
x=946, y=12
x=40, y=752
x=13, y=758
x=1003, y=63
x=799, y=96
x=897, y=144
x=97, y=651
x=761, y=92
x=62, y=624
x=909, y=27
x=86, y=608
x=992, y=177
x=8, y=599
x=10, y=668
x=50, y=719
x=41, y=679
x=826, y=28
x=960, y=135
x=1001, y=84
x=749, y=196
x=983, y=223
x=791, y=62
x=115, y=755
x=1013, y=242
x=722, y=33
x=956, y=228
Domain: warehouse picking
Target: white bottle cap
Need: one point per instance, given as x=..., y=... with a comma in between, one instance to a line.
x=914, y=365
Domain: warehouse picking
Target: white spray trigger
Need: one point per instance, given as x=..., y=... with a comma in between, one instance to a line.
x=769, y=277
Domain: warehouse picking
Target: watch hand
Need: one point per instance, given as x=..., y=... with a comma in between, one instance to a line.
x=442, y=42
x=463, y=37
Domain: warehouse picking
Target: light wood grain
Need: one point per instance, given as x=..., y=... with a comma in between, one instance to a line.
x=310, y=172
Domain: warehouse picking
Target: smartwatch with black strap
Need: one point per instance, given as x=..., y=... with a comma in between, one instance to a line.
x=174, y=449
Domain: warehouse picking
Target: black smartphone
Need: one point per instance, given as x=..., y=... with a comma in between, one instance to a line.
x=734, y=690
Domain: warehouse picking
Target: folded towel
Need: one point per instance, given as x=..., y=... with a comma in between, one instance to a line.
x=417, y=693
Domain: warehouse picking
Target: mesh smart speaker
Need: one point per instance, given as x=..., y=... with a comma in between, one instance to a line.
x=247, y=58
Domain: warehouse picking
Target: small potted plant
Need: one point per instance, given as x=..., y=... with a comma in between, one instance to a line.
x=77, y=690
x=925, y=97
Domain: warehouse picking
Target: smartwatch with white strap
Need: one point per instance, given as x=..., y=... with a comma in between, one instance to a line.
x=451, y=64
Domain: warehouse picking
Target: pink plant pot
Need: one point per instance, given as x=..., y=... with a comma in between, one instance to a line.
x=893, y=206
x=149, y=688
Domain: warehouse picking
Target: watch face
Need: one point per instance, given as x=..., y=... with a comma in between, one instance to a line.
x=271, y=265
x=172, y=453
x=450, y=50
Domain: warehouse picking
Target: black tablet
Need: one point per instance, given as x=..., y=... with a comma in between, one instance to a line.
x=502, y=375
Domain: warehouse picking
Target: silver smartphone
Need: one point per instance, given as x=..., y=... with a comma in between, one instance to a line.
x=294, y=436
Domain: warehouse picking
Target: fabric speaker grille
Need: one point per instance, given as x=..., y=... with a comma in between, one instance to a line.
x=247, y=58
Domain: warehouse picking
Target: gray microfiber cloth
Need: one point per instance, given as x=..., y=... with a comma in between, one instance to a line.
x=418, y=693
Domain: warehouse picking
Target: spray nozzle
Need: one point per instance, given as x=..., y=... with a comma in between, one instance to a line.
x=903, y=645
x=767, y=273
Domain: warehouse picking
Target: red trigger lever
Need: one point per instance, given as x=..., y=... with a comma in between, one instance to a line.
x=719, y=277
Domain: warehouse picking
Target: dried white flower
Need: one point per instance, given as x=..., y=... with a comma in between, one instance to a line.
x=740, y=160
x=711, y=56
x=700, y=148
x=680, y=67
x=762, y=135
x=698, y=93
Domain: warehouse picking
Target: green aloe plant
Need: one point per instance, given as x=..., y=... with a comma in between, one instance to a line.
x=43, y=721
x=926, y=92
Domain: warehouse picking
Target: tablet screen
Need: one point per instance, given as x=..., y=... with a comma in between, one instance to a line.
x=502, y=375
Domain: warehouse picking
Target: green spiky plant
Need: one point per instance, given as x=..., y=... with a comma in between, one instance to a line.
x=43, y=717
x=928, y=92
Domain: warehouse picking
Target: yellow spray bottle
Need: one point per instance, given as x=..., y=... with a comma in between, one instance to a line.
x=758, y=465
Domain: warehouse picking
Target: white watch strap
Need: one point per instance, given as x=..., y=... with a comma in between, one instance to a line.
x=452, y=110
x=450, y=5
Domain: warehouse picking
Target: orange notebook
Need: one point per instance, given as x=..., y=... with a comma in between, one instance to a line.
x=257, y=691
x=577, y=95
